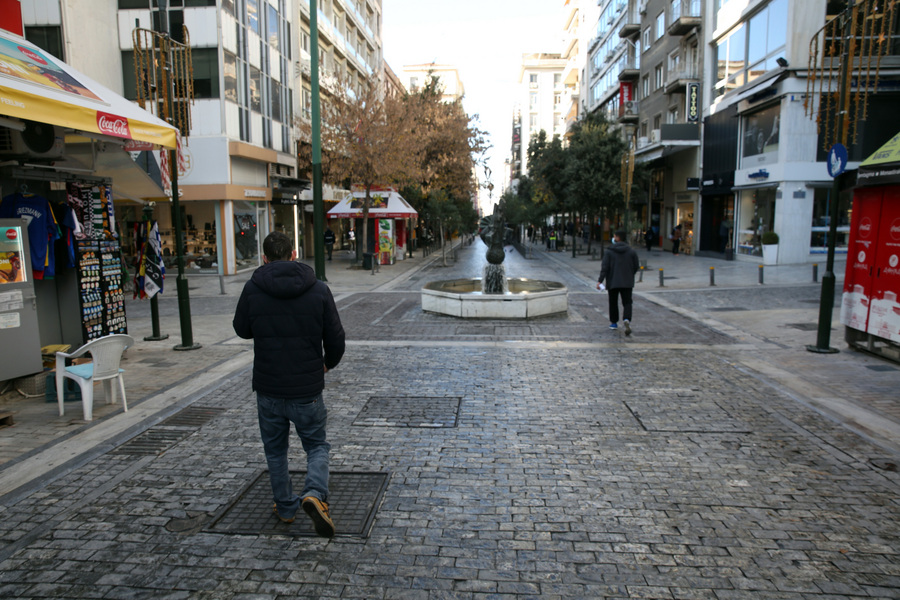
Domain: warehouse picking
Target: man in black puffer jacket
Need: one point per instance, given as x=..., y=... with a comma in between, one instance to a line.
x=297, y=338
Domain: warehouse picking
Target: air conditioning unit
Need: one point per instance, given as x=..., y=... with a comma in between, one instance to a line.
x=642, y=141
x=655, y=138
x=631, y=107
x=38, y=141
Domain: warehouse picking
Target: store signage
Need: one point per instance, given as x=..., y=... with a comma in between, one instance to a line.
x=114, y=125
x=254, y=194
x=761, y=174
x=626, y=93
x=693, y=102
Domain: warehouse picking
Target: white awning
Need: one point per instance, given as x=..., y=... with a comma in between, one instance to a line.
x=385, y=205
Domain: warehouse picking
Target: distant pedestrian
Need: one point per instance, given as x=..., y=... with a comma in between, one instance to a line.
x=351, y=237
x=620, y=263
x=297, y=337
x=676, y=239
x=329, y=241
x=553, y=239
x=649, y=238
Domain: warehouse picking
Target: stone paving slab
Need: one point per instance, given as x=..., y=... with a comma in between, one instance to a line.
x=550, y=487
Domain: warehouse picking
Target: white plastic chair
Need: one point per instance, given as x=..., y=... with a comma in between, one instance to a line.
x=106, y=354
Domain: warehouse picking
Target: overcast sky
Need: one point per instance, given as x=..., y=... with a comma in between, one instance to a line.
x=485, y=40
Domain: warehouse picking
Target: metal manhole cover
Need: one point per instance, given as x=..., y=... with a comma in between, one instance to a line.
x=409, y=412
x=193, y=416
x=881, y=368
x=353, y=501
x=153, y=441
x=677, y=413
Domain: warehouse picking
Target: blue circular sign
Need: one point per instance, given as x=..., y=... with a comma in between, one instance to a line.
x=837, y=160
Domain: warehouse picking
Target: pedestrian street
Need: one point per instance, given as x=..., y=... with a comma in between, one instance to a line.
x=541, y=459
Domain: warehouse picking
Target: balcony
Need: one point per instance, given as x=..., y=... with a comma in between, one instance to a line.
x=678, y=78
x=629, y=70
x=685, y=16
x=631, y=23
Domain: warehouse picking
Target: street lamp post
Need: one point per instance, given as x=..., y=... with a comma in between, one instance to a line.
x=318, y=205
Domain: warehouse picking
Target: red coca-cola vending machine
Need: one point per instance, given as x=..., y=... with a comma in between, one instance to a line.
x=870, y=307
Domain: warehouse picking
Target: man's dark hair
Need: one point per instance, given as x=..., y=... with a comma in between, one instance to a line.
x=621, y=234
x=277, y=246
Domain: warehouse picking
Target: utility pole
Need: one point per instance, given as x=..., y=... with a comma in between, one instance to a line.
x=318, y=205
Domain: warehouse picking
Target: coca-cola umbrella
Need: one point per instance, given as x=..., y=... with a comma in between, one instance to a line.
x=36, y=86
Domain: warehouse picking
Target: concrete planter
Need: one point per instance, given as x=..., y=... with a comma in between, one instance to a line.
x=770, y=254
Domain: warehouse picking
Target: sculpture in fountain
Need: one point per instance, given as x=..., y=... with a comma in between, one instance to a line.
x=494, y=296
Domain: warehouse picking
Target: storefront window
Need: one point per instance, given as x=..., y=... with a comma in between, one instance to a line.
x=760, y=139
x=246, y=243
x=756, y=215
x=821, y=221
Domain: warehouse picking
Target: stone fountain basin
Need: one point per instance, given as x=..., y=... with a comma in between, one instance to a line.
x=526, y=298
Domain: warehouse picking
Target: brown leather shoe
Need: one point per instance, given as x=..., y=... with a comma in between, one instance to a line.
x=318, y=512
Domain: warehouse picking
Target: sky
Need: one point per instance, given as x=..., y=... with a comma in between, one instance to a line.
x=484, y=40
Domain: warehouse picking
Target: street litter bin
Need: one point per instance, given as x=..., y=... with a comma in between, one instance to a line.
x=367, y=260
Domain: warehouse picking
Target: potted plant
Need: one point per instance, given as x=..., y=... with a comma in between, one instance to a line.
x=769, y=241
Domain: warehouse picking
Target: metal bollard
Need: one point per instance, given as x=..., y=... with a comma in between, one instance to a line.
x=815, y=273
x=761, y=275
x=712, y=276
x=661, y=279
x=641, y=274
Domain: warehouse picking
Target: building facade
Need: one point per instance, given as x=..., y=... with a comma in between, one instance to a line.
x=763, y=154
x=540, y=105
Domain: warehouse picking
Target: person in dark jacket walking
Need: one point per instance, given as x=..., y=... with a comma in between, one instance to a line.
x=329, y=241
x=297, y=338
x=620, y=263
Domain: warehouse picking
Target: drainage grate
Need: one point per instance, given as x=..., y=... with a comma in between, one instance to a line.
x=193, y=416
x=409, y=412
x=804, y=326
x=153, y=441
x=353, y=501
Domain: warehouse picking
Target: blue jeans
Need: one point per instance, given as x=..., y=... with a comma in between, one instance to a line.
x=309, y=418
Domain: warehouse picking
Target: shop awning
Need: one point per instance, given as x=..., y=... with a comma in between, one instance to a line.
x=385, y=205
x=883, y=166
x=129, y=180
x=38, y=87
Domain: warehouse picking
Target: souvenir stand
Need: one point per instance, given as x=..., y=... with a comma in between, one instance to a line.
x=64, y=158
x=870, y=306
x=388, y=215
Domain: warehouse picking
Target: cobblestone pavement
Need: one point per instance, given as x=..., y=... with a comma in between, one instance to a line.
x=582, y=464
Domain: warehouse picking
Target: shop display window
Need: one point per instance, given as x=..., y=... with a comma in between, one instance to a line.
x=821, y=221
x=756, y=216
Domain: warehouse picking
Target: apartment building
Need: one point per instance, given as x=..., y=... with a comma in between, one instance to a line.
x=763, y=155
x=417, y=76
x=540, y=105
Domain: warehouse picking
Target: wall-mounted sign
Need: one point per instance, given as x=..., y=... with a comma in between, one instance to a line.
x=692, y=110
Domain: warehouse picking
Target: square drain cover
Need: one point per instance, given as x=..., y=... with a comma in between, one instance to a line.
x=352, y=503
x=409, y=412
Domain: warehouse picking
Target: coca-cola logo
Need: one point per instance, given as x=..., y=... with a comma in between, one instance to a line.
x=861, y=257
x=113, y=125
x=865, y=227
x=895, y=230
x=11, y=234
x=32, y=55
x=893, y=261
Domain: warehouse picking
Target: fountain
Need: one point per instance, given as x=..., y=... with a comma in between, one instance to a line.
x=495, y=296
